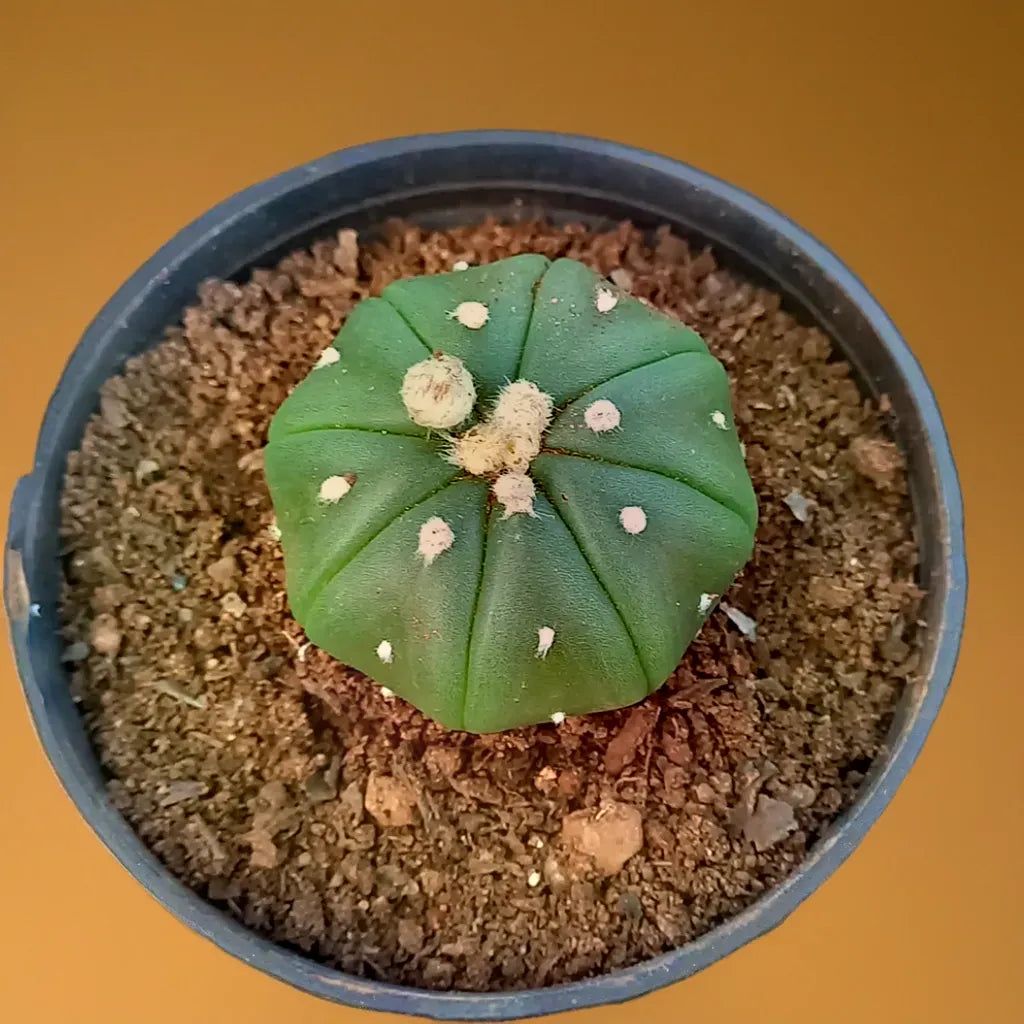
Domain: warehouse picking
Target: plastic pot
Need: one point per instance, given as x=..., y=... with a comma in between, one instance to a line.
x=443, y=180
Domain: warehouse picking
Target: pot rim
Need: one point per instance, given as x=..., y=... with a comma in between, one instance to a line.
x=295, y=969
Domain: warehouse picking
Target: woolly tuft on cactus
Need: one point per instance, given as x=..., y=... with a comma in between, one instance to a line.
x=511, y=495
x=437, y=392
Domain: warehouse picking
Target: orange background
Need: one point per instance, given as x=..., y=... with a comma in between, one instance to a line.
x=886, y=128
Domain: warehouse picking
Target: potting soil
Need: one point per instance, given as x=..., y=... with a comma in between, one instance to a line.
x=291, y=791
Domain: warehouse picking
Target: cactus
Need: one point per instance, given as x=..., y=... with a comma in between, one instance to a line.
x=510, y=493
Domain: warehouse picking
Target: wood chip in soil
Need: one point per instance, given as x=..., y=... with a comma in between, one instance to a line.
x=288, y=790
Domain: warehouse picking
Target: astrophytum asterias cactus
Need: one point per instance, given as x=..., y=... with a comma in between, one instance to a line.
x=510, y=493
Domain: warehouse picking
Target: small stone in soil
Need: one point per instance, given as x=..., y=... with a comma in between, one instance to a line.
x=622, y=748
x=180, y=790
x=346, y=253
x=77, y=651
x=390, y=801
x=743, y=622
x=606, y=836
x=630, y=906
x=800, y=795
x=770, y=823
x=350, y=805
x=180, y=695
x=106, y=635
x=145, y=469
x=880, y=461
x=798, y=505
x=830, y=592
x=263, y=849
x=322, y=785
x=233, y=605
x=410, y=935
x=223, y=571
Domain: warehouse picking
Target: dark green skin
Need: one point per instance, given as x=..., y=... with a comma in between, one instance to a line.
x=464, y=628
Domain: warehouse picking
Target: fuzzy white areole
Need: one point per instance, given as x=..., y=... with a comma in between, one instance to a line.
x=602, y=416
x=328, y=357
x=435, y=538
x=515, y=492
x=438, y=392
x=605, y=300
x=334, y=488
x=545, y=641
x=633, y=519
x=472, y=315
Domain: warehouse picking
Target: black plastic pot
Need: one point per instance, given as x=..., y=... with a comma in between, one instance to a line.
x=444, y=180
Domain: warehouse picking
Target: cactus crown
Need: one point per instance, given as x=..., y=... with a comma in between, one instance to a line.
x=511, y=494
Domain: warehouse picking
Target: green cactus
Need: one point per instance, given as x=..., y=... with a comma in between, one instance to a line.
x=510, y=493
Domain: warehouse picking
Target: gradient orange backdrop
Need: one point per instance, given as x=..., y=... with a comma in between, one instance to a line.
x=892, y=130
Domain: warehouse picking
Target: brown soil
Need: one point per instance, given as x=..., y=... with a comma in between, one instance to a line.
x=281, y=786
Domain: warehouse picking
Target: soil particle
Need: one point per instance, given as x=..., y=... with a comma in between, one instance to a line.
x=877, y=459
x=798, y=505
x=223, y=571
x=606, y=837
x=233, y=604
x=770, y=823
x=391, y=802
x=290, y=791
x=78, y=651
x=830, y=592
x=106, y=635
x=622, y=748
x=180, y=790
x=743, y=622
x=410, y=935
x=799, y=795
x=322, y=785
